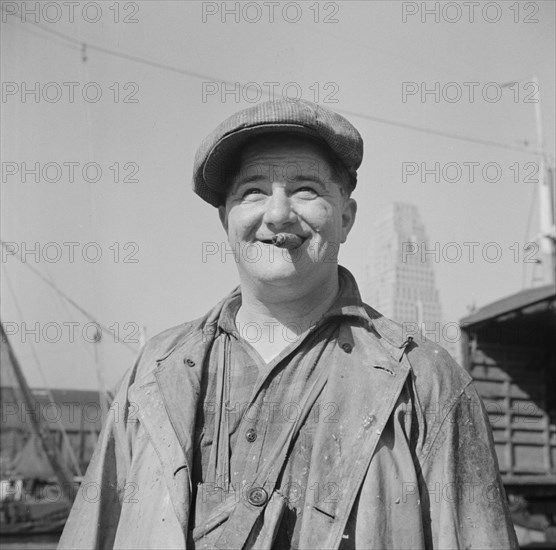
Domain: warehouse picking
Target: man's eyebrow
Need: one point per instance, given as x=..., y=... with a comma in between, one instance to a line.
x=242, y=180
x=313, y=178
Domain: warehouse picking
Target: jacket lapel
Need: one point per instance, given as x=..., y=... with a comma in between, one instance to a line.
x=364, y=384
x=167, y=400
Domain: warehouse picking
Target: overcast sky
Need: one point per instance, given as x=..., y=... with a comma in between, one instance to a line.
x=133, y=114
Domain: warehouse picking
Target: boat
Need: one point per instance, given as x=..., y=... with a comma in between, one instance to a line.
x=37, y=485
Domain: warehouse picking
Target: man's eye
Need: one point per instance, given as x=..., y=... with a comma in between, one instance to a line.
x=306, y=191
x=252, y=191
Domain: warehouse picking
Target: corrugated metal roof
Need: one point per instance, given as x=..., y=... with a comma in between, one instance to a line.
x=517, y=301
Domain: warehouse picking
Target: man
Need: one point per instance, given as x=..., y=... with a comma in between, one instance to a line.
x=292, y=415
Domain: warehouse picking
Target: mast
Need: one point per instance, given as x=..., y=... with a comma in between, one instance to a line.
x=43, y=434
x=546, y=199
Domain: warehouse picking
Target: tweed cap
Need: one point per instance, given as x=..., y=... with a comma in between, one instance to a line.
x=223, y=145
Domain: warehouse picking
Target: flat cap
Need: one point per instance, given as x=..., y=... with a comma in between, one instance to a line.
x=223, y=145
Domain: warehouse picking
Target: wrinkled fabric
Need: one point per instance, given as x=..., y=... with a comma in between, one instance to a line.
x=409, y=463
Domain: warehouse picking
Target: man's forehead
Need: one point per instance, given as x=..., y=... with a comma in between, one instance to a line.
x=282, y=157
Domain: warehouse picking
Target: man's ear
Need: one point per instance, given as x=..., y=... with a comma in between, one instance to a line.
x=223, y=215
x=348, y=217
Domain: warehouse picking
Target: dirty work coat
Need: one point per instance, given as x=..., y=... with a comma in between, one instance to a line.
x=416, y=467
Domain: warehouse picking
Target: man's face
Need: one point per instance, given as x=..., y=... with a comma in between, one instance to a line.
x=285, y=184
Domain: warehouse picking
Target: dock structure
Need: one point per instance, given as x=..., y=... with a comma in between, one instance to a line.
x=78, y=411
x=508, y=348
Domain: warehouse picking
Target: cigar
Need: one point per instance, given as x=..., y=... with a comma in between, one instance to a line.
x=287, y=240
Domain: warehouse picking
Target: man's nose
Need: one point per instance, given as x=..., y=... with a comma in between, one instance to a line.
x=279, y=212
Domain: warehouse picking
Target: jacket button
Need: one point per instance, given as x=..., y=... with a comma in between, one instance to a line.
x=189, y=362
x=257, y=496
x=347, y=347
x=250, y=435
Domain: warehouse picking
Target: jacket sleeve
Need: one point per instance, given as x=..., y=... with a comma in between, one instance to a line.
x=461, y=484
x=93, y=520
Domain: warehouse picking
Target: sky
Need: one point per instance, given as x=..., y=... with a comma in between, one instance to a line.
x=112, y=100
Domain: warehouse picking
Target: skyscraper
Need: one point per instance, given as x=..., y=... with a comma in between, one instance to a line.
x=400, y=281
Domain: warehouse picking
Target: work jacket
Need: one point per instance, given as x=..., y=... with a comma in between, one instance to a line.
x=411, y=457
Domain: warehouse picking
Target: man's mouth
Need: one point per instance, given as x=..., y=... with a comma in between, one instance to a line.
x=290, y=241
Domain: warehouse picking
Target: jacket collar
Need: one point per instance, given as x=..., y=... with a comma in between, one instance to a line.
x=347, y=304
x=350, y=304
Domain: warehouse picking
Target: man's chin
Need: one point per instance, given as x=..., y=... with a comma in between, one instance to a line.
x=275, y=273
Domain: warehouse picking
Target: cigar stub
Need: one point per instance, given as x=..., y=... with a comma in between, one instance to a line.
x=287, y=240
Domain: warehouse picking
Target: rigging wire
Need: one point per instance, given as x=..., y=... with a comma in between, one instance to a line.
x=67, y=298
x=64, y=304
x=163, y=66
x=58, y=420
x=93, y=355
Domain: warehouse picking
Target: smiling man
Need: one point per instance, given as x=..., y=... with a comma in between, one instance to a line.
x=326, y=428
x=286, y=190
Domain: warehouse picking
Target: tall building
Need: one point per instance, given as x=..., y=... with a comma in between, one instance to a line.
x=400, y=281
